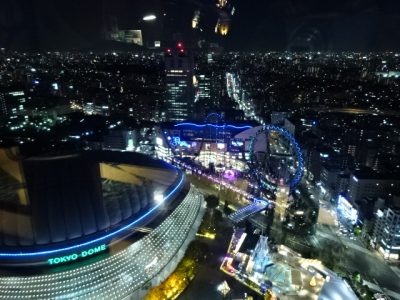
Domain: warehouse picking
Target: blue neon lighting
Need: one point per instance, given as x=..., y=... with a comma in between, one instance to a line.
x=107, y=236
x=212, y=125
x=298, y=151
x=175, y=141
x=263, y=201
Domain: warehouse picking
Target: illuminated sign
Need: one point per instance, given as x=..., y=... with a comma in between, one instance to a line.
x=237, y=143
x=220, y=146
x=184, y=144
x=75, y=256
x=347, y=210
x=229, y=174
x=175, y=141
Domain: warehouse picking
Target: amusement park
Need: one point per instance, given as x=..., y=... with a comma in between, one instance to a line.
x=263, y=165
x=266, y=156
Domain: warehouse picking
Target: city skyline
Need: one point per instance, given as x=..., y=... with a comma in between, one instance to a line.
x=188, y=149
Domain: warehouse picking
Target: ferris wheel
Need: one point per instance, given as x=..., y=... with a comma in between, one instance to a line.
x=275, y=157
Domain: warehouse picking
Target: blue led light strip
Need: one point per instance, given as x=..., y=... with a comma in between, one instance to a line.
x=212, y=125
x=105, y=237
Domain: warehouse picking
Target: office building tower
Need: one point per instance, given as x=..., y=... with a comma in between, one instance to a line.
x=179, y=83
x=204, y=88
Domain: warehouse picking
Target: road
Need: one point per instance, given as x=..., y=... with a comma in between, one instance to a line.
x=355, y=257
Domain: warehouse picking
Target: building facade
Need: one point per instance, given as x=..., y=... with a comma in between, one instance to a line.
x=371, y=184
x=386, y=234
x=179, y=83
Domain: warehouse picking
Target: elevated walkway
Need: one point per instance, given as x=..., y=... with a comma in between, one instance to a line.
x=247, y=211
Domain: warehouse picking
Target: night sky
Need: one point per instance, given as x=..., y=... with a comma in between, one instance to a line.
x=337, y=25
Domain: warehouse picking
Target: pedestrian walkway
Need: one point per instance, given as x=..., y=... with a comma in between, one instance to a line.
x=247, y=211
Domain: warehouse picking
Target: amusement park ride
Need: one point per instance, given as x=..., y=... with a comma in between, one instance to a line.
x=267, y=158
x=270, y=154
x=273, y=168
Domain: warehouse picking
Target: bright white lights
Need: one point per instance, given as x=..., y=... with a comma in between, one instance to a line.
x=159, y=141
x=346, y=210
x=220, y=146
x=158, y=197
x=149, y=18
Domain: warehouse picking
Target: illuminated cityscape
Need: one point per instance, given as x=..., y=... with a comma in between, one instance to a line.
x=206, y=150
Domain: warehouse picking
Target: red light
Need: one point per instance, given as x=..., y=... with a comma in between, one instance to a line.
x=182, y=50
x=180, y=45
x=169, y=50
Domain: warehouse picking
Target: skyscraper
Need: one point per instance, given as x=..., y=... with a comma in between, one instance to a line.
x=386, y=235
x=179, y=83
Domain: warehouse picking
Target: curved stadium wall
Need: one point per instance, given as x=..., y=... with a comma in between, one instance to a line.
x=72, y=203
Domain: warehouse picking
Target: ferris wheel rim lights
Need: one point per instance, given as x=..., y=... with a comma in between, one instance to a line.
x=290, y=137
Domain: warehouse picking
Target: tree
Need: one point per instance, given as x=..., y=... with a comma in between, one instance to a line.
x=357, y=278
x=155, y=294
x=212, y=201
x=195, y=251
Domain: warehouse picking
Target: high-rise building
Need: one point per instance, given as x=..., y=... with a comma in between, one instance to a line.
x=371, y=184
x=15, y=103
x=179, y=83
x=386, y=235
x=204, y=87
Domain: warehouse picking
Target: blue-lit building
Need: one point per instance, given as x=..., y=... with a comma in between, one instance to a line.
x=236, y=148
x=206, y=143
x=114, y=221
